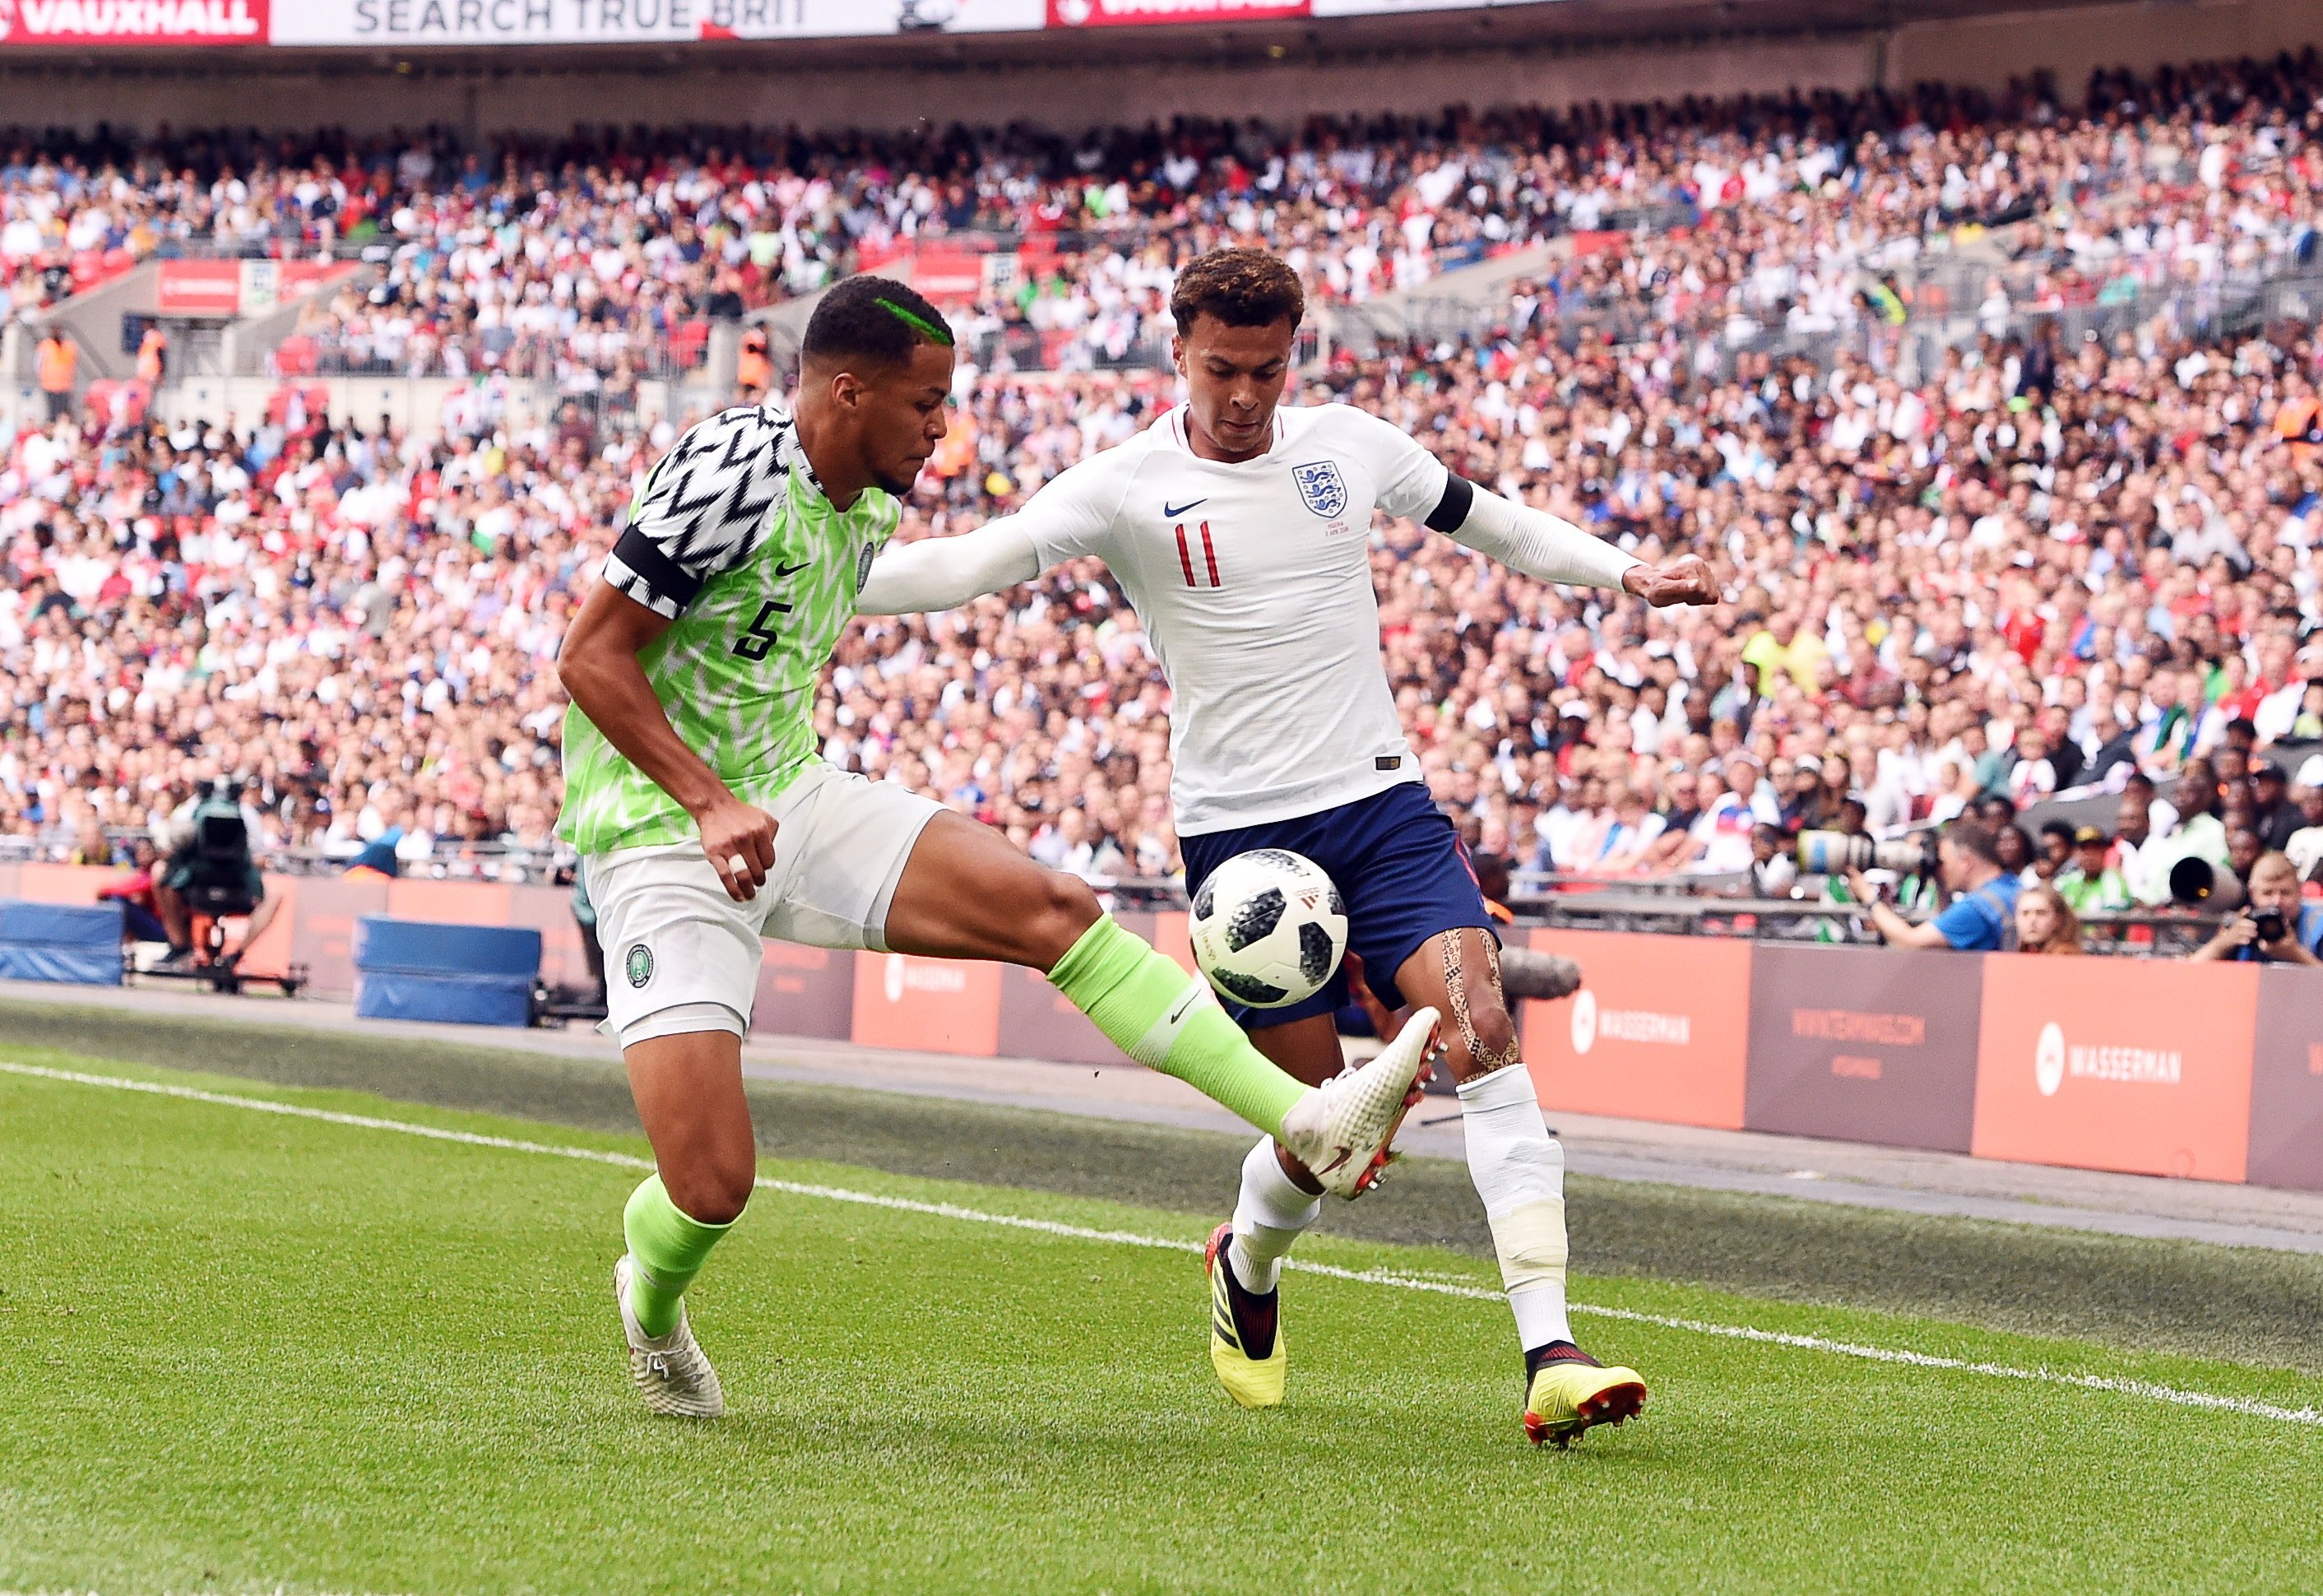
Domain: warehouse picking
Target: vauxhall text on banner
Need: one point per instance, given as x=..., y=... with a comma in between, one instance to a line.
x=173, y=23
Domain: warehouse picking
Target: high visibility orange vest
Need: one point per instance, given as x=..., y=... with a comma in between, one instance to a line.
x=57, y=358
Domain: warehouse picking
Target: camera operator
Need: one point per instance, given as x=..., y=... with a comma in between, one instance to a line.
x=193, y=865
x=2274, y=927
x=1983, y=903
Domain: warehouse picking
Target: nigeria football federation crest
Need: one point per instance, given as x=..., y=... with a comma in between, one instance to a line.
x=641, y=963
x=1321, y=486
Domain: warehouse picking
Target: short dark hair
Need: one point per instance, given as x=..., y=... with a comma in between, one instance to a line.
x=1971, y=837
x=1242, y=288
x=873, y=319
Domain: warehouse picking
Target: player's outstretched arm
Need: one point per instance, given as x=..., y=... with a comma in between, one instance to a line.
x=944, y=573
x=1550, y=549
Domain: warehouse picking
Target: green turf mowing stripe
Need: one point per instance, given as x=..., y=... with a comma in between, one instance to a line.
x=2147, y=1390
x=2256, y=1308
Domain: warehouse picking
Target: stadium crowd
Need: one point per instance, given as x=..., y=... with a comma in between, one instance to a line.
x=596, y=256
x=2030, y=565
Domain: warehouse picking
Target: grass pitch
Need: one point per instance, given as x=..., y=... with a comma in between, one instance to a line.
x=252, y=1349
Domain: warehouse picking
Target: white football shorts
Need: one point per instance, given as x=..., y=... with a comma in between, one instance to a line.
x=680, y=956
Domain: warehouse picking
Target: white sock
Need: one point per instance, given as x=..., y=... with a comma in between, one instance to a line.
x=1268, y=1218
x=1520, y=1172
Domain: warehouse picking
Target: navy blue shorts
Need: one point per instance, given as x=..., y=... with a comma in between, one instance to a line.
x=1400, y=866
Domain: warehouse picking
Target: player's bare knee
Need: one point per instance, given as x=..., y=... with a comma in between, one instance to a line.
x=713, y=1190
x=1061, y=908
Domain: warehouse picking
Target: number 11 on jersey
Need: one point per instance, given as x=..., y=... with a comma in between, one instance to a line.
x=1209, y=562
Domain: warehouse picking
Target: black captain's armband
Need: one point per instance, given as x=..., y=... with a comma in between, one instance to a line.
x=657, y=574
x=1451, y=512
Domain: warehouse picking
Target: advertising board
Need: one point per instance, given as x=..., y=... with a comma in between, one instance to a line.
x=2117, y=1064
x=1868, y=1044
x=929, y=1005
x=469, y=22
x=174, y=23
x=1657, y=1030
x=2286, y=1109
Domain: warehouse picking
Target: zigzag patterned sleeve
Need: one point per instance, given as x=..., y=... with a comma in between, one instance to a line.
x=704, y=509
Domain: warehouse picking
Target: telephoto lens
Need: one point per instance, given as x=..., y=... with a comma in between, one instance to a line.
x=1834, y=853
x=2197, y=883
x=2271, y=927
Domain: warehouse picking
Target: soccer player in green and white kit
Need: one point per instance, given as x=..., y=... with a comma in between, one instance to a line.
x=708, y=819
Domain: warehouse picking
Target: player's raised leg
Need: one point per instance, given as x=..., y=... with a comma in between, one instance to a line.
x=1518, y=1170
x=965, y=893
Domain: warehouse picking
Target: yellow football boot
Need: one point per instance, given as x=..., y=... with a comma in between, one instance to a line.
x=1245, y=1331
x=1572, y=1393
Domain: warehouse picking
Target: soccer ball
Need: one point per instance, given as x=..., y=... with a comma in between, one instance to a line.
x=1268, y=928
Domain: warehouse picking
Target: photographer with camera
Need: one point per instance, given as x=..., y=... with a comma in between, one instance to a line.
x=2274, y=927
x=1983, y=897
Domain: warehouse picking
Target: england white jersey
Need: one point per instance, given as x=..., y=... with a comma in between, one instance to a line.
x=1253, y=581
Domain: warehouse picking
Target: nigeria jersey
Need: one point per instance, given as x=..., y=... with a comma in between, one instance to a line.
x=734, y=542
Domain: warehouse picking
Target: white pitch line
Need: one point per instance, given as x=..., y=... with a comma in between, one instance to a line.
x=2249, y=1406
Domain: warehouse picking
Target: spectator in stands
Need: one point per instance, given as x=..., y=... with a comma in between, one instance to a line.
x=2090, y=883
x=2032, y=777
x=2274, y=927
x=153, y=356
x=2045, y=923
x=2304, y=848
x=2244, y=850
x=2056, y=851
x=1983, y=897
x=2272, y=814
x=1773, y=871
x=2015, y=851
x=55, y=363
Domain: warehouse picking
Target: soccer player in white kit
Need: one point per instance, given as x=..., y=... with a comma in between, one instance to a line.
x=1240, y=531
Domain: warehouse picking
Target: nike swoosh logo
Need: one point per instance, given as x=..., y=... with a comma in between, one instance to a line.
x=1178, y=1013
x=1168, y=508
x=1346, y=1153
x=782, y=570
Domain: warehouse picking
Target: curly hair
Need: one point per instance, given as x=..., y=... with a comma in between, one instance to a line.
x=1242, y=288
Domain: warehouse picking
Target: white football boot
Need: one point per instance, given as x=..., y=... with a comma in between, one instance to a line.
x=1342, y=1131
x=671, y=1370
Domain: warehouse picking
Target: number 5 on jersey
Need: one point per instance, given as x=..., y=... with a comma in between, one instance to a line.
x=1208, y=564
x=760, y=640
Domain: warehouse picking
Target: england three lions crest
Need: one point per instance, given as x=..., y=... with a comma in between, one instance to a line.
x=1322, y=486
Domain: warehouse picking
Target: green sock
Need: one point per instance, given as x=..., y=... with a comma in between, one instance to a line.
x=1167, y=1021
x=669, y=1248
